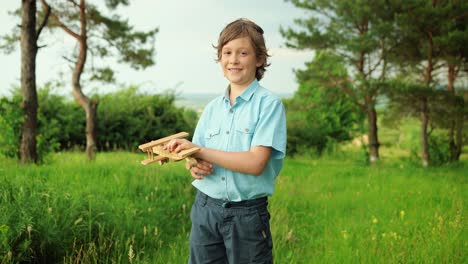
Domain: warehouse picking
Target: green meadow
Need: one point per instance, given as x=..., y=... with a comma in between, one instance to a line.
x=324, y=210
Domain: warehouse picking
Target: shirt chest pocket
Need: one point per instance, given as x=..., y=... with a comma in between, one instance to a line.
x=212, y=137
x=244, y=135
x=246, y=128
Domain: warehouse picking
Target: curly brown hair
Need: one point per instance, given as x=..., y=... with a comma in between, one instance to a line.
x=245, y=28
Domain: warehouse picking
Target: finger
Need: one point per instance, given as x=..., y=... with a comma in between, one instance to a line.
x=196, y=176
x=204, y=166
x=183, y=144
x=178, y=148
x=170, y=145
x=203, y=171
x=204, y=163
x=199, y=171
x=167, y=146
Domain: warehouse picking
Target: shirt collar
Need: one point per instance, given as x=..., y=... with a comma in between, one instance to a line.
x=247, y=93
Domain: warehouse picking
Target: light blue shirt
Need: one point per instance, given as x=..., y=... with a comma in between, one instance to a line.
x=257, y=118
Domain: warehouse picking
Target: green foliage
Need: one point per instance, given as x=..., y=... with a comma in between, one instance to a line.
x=11, y=121
x=439, y=149
x=128, y=118
x=319, y=114
x=444, y=109
x=73, y=211
x=108, y=35
x=362, y=35
x=54, y=121
x=129, y=45
x=434, y=31
x=56, y=214
x=50, y=124
x=62, y=118
x=359, y=31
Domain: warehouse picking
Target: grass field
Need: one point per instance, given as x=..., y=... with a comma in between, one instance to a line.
x=327, y=210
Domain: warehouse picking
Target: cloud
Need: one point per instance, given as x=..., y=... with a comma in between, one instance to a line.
x=288, y=53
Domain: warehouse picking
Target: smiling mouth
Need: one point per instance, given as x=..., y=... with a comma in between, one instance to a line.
x=234, y=70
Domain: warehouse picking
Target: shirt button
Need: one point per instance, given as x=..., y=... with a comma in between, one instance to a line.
x=222, y=178
x=227, y=132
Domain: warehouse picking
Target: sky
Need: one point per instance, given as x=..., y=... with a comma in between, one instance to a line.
x=185, y=57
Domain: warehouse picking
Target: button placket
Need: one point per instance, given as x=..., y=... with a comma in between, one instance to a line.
x=231, y=115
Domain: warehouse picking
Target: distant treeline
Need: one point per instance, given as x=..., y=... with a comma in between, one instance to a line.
x=322, y=115
x=127, y=118
x=320, y=120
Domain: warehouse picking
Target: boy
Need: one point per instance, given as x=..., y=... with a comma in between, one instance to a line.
x=242, y=136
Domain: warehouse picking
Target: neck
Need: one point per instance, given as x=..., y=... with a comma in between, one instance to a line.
x=236, y=90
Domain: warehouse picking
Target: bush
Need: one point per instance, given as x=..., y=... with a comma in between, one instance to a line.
x=11, y=119
x=126, y=119
x=439, y=150
x=321, y=127
x=320, y=114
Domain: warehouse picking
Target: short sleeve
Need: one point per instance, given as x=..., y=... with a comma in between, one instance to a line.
x=198, y=136
x=271, y=127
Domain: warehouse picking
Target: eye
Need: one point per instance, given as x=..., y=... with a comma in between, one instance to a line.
x=244, y=53
x=226, y=53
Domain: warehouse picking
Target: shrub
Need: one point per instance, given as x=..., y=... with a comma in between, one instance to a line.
x=11, y=118
x=126, y=119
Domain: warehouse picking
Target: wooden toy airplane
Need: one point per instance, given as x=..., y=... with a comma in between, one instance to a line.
x=157, y=147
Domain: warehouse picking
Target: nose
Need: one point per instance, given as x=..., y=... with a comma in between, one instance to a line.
x=234, y=59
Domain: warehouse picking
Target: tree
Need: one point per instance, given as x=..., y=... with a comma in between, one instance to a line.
x=28, y=38
x=103, y=37
x=455, y=55
x=429, y=33
x=361, y=33
x=319, y=115
x=28, y=152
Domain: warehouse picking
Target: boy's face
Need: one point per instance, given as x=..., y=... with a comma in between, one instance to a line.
x=239, y=62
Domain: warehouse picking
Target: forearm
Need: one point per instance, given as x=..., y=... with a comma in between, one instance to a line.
x=248, y=162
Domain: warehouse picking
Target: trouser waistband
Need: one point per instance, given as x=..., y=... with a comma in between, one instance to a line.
x=205, y=199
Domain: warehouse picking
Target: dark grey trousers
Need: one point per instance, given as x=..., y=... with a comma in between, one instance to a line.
x=230, y=232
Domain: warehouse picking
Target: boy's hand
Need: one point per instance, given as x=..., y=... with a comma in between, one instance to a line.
x=202, y=169
x=177, y=145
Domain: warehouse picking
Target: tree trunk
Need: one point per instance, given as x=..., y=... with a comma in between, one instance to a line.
x=91, y=129
x=373, y=135
x=424, y=138
x=425, y=157
x=456, y=120
x=459, y=124
x=452, y=144
x=458, y=138
x=28, y=149
x=90, y=106
x=451, y=78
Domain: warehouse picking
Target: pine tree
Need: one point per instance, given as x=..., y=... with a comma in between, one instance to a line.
x=104, y=37
x=361, y=33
